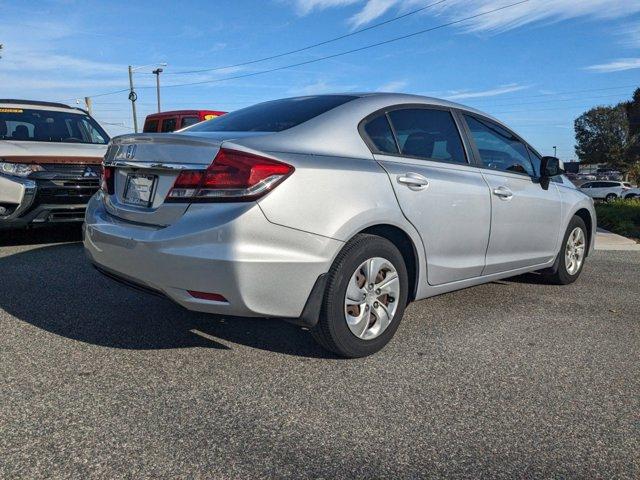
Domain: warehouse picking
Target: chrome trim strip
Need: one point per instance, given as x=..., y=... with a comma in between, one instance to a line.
x=155, y=166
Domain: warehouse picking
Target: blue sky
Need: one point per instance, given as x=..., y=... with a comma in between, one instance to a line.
x=536, y=65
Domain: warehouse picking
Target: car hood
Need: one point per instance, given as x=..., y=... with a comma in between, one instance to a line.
x=51, y=152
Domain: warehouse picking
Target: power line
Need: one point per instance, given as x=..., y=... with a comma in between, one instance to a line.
x=346, y=52
x=309, y=47
x=327, y=57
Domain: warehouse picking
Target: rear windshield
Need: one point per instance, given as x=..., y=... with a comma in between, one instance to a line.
x=274, y=116
x=31, y=125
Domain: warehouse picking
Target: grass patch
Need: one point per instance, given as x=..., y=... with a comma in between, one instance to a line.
x=621, y=217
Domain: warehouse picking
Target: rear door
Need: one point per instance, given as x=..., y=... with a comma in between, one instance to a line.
x=444, y=197
x=525, y=218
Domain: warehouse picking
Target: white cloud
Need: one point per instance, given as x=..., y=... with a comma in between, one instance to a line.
x=487, y=93
x=533, y=11
x=320, y=87
x=616, y=65
x=306, y=6
x=630, y=35
x=372, y=10
x=393, y=86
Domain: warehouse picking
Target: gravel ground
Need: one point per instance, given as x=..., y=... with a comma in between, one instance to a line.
x=510, y=379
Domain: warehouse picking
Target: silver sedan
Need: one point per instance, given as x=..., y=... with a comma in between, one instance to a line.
x=334, y=212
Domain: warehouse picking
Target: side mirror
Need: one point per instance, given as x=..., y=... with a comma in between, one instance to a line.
x=549, y=167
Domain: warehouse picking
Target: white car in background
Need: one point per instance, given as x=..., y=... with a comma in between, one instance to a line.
x=633, y=193
x=605, y=189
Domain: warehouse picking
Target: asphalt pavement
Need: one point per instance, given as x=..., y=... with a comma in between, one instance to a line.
x=513, y=379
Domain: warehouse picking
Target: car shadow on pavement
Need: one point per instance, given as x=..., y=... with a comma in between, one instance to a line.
x=55, y=288
x=41, y=235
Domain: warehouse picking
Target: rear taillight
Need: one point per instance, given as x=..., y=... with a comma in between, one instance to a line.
x=106, y=183
x=233, y=176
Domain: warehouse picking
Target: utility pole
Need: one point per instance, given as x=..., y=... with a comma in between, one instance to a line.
x=87, y=102
x=157, y=73
x=133, y=97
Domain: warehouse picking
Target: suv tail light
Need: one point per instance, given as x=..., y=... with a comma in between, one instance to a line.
x=106, y=184
x=233, y=176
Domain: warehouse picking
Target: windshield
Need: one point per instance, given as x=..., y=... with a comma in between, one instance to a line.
x=31, y=125
x=274, y=116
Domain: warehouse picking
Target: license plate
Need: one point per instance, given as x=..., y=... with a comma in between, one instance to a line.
x=140, y=189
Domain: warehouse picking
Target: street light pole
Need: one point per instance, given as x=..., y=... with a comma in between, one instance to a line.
x=133, y=97
x=157, y=73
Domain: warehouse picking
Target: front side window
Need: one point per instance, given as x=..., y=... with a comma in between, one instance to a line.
x=274, y=116
x=32, y=125
x=499, y=149
x=427, y=133
x=379, y=132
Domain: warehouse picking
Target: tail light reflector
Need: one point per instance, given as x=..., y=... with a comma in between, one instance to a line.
x=213, y=297
x=233, y=176
x=106, y=184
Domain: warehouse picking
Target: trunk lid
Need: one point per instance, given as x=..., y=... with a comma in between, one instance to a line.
x=145, y=167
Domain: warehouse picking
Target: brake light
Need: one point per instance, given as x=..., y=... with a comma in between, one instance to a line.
x=106, y=184
x=233, y=176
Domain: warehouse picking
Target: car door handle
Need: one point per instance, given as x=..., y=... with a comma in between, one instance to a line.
x=414, y=181
x=503, y=192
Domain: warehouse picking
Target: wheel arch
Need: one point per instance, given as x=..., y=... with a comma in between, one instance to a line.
x=402, y=240
x=585, y=215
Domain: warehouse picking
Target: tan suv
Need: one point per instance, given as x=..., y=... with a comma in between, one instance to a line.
x=50, y=162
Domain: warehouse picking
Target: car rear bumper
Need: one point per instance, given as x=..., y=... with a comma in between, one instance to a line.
x=260, y=268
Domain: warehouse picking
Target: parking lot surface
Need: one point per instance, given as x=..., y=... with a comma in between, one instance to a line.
x=513, y=379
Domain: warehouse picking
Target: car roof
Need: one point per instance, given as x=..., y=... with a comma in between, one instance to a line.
x=41, y=105
x=181, y=112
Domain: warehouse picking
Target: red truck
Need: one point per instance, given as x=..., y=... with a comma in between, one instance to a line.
x=177, y=119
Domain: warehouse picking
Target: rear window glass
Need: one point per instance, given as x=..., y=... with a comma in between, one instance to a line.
x=169, y=124
x=31, y=125
x=274, y=116
x=151, y=126
x=188, y=121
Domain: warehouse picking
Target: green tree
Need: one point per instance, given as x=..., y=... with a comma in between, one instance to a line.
x=602, y=136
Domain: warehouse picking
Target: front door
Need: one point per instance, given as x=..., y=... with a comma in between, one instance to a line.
x=445, y=198
x=525, y=218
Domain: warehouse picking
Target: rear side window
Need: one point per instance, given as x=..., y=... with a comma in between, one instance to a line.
x=150, y=126
x=379, y=132
x=429, y=134
x=499, y=149
x=274, y=116
x=169, y=124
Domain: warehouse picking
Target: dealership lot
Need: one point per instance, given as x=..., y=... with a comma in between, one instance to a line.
x=509, y=379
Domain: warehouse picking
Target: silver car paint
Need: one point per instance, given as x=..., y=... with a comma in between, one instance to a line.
x=248, y=252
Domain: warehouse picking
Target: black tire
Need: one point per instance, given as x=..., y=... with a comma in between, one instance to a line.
x=561, y=276
x=332, y=331
x=610, y=197
x=630, y=196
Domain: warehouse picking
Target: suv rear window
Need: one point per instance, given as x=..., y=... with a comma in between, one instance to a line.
x=31, y=125
x=274, y=116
